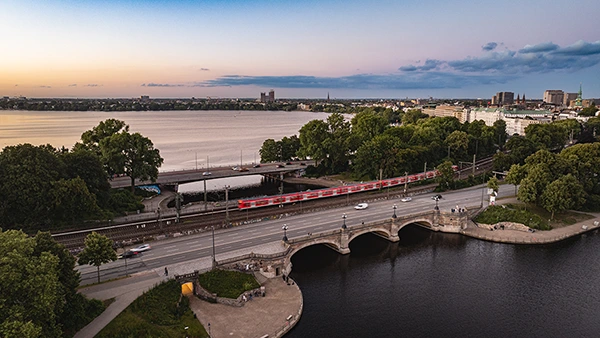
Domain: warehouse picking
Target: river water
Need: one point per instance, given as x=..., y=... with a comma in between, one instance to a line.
x=446, y=285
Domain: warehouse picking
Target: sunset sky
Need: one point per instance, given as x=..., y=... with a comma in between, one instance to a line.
x=301, y=49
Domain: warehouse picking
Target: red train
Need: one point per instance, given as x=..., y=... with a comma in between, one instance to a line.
x=337, y=191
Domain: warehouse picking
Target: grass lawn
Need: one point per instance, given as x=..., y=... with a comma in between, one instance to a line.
x=532, y=216
x=228, y=284
x=160, y=312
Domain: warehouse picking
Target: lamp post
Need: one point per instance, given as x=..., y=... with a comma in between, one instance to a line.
x=209, y=329
x=394, y=215
x=344, y=224
x=284, y=228
x=436, y=203
x=214, y=259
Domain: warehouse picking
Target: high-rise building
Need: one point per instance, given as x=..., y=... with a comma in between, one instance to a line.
x=503, y=98
x=264, y=98
x=555, y=97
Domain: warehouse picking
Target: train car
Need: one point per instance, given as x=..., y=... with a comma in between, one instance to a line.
x=337, y=191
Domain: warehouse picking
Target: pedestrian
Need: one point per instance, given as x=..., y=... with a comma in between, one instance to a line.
x=166, y=271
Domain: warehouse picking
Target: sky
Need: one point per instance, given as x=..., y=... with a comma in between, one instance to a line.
x=299, y=48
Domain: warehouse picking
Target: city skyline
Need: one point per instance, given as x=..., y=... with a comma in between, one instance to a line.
x=301, y=49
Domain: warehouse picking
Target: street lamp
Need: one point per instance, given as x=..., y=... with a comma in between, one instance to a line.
x=394, y=215
x=344, y=224
x=214, y=258
x=436, y=203
x=284, y=228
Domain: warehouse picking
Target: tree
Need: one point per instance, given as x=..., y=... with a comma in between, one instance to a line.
x=528, y=192
x=563, y=194
x=72, y=202
x=515, y=175
x=312, y=136
x=412, y=116
x=270, y=151
x=458, y=141
x=589, y=111
x=98, y=250
x=366, y=125
x=131, y=154
x=29, y=287
x=446, y=174
x=91, y=139
x=500, y=132
x=493, y=184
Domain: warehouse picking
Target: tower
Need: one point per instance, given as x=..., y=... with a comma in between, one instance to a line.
x=579, y=97
x=518, y=99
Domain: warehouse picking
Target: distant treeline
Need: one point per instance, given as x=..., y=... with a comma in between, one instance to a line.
x=139, y=105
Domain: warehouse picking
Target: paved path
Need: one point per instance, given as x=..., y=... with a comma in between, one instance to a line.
x=258, y=317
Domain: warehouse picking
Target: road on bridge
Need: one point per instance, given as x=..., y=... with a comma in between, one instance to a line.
x=188, y=248
x=186, y=176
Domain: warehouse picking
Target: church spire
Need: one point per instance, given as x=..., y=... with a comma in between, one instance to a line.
x=518, y=98
x=578, y=102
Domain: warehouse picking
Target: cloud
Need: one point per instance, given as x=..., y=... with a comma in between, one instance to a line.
x=539, y=48
x=489, y=46
x=580, y=48
x=161, y=85
x=204, y=69
x=73, y=85
x=424, y=80
x=492, y=67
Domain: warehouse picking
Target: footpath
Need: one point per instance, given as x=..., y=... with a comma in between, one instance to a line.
x=272, y=315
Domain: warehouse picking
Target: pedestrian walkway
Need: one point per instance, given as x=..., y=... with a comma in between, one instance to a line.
x=272, y=315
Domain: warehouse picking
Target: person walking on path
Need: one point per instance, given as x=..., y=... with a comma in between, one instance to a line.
x=166, y=271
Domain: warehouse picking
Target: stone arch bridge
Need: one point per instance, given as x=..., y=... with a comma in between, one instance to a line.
x=273, y=265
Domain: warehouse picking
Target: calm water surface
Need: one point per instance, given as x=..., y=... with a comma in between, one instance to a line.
x=185, y=138
x=444, y=285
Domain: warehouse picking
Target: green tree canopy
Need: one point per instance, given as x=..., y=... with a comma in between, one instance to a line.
x=98, y=250
x=563, y=194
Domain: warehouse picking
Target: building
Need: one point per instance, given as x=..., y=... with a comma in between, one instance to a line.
x=270, y=98
x=555, y=97
x=447, y=110
x=503, y=98
x=516, y=120
x=144, y=98
x=568, y=97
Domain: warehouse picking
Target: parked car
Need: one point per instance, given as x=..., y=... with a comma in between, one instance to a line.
x=436, y=197
x=141, y=248
x=128, y=254
x=406, y=199
x=361, y=206
x=206, y=173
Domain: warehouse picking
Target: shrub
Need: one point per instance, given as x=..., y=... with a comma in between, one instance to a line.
x=512, y=213
x=228, y=284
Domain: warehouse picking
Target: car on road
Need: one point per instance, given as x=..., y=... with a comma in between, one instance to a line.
x=436, y=197
x=206, y=173
x=406, y=199
x=128, y=254
x=235, y=168
x=141, y=248
x=361, y=206
x=257, y=166
x=288, y=163
x=280, y=166
x=302, y=163
x=242, y=169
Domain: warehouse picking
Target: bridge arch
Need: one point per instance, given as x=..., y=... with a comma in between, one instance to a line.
x=332, y=244
x=380, y=231
x=424, y=222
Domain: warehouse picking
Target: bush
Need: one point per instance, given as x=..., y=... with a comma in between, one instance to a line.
x=512, y=213
x=228, y=284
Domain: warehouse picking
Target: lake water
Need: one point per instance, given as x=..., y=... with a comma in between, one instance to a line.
x=186, y=139
x=445, y=285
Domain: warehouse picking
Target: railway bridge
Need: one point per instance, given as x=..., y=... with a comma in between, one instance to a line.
x=272, y=265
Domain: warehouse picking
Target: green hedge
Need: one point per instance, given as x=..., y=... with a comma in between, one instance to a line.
x=228, y=284
x=512, y=213
x=160, y=312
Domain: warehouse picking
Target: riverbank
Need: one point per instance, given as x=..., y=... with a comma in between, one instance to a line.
x=512, y=236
